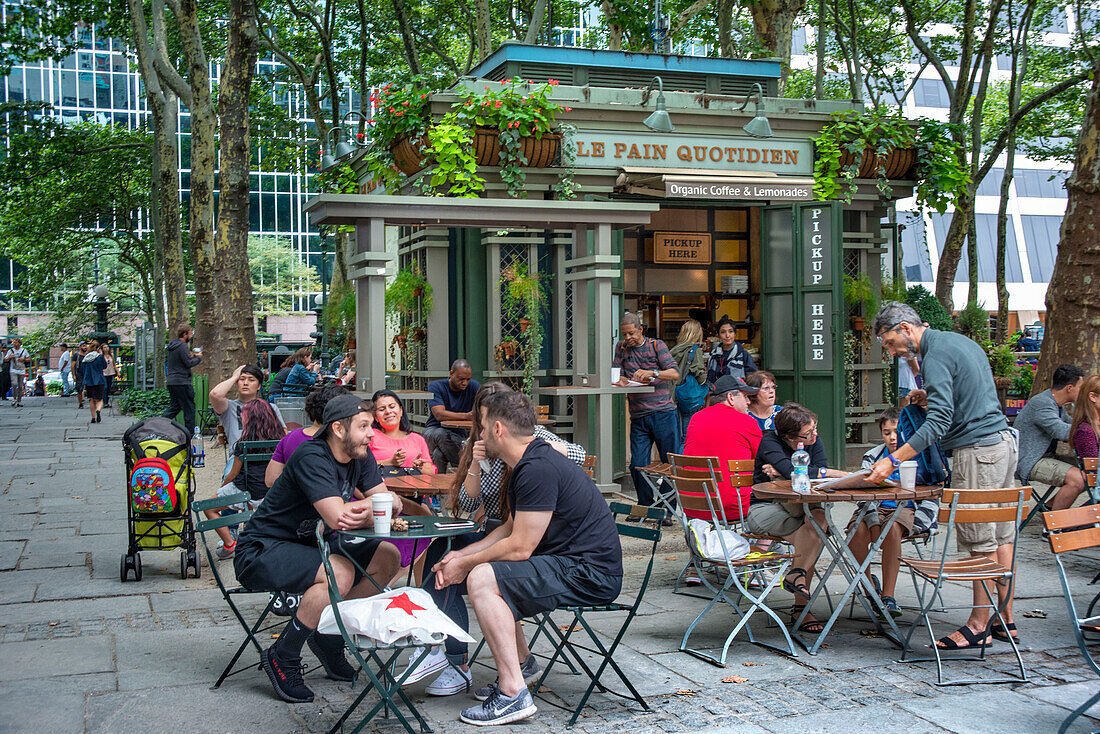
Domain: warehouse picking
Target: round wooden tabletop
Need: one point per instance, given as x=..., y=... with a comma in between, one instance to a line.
x=781, y=491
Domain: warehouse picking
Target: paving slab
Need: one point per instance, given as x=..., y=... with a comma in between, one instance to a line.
x=10, y=551
x=192, y=708
x=979, y=712
x=46, y=658
x=870, y=718
x=1069, y=696
x=49, y=611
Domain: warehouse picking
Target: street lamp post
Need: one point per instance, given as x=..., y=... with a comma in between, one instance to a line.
x=321, y=334
x=101, y=333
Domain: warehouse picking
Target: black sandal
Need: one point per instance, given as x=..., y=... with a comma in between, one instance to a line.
x=999, y=633
x=809, y=626
x=789, y=585
x=973, y=639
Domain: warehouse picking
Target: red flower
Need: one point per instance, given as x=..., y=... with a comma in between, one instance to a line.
x=359, y=135
x=530, y=81
x=567, y=109
x=498, y=104
x=405, y=103
x=486, y=88
x=400, y=113
x=370, y=121
x=553, y=82
x=424, y=96
x=392, y=109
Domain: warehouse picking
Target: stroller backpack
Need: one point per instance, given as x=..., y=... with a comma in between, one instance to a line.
x=158, y=450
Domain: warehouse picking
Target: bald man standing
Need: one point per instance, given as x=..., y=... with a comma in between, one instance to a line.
x=452, y=400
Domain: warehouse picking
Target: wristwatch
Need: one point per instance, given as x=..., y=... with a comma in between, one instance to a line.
x=656, y=374
x=893, y=460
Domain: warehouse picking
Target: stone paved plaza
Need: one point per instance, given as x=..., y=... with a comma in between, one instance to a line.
x=81, y=651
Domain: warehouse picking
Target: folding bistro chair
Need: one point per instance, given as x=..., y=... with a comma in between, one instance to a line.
x=567, y=648
x=231, y=594
x=589, y=465
x=376, y=660
x=1089, y=467
x=1040, y=504
x=957, y=508
x=1074, y=530
x=695, y=479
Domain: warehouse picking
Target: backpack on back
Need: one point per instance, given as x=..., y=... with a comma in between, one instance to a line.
x=932, y=465
x=690, y=395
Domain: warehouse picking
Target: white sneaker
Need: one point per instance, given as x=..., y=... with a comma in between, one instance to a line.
x=423, y=663
x=451, y=681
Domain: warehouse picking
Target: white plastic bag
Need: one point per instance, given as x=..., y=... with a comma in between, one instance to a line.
x=393, y=615
x=708, y=544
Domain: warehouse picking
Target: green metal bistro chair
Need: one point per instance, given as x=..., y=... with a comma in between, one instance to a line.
x=696, y=481
x=256, y=451
x=376, y=660
x=202, y=525
x=1075, y=530
x=959, y=507
x=567, y=647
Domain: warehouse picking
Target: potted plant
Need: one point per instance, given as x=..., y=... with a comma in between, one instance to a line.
x=402, y=117
x=860, y=291
x=408, y=305
x=1002, y=362
x=882, y=144
x=525, y=298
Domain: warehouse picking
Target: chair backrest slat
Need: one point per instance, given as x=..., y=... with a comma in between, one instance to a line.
x=742, y=466
x=985, y=496
x=1072, y=518
x=970, y=501
x=698, y=486
x=1075, y=540
x=693, y=502
x=968, y=515
x=1061, y=539
x=589, y=465
x=696, y=463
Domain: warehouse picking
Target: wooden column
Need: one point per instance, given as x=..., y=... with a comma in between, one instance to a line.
x=367, y=269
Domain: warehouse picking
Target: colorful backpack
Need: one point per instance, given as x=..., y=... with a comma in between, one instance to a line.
x=159, y=451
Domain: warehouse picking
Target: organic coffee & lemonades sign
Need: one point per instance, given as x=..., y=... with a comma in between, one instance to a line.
x=713, y=153
x=680, y=248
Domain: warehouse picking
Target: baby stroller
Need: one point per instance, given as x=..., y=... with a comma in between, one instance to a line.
x=159, y=493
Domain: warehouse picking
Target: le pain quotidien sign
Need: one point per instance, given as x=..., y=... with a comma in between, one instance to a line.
x=682, y=248
x=699, y=152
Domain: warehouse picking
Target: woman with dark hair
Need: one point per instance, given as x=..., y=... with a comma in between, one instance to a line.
x=728, y=356
x=304, y=372
x=480, y=484
x=1084, y=434
x=346, y=373
x=395, y=444
x=109, y=374
x=762, y=405
x=315, y=409
x=795, y=426
x=258, y=423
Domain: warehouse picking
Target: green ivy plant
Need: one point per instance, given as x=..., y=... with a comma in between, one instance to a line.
x=408, y=305
x=452, y=146
x=566, y=187
x=861, y=291
x=525, y=298
x=941, y=165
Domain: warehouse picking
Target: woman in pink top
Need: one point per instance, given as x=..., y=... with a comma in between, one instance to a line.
x=394, y=442
x=1086, y=419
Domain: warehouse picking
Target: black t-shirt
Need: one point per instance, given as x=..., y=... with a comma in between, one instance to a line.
x=251, y=477
x=312, y=474
x=582, y=526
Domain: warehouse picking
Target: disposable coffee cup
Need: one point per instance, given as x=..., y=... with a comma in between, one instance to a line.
x=616, y=373
x=382, y=507
x=908, y=473
x=484, y=464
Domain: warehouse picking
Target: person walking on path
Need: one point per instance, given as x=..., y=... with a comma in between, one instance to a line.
x=179, y=359
x=109, y=374
x=78, y=373
x=92, y=365
x=17, y=358
x=64, y=366
x=653, y=416
x=965, y=416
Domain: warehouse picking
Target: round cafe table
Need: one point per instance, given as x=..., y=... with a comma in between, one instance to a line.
x=835, y=541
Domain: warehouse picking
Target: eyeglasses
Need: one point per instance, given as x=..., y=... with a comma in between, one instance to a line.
x=887, y=331
x=807, y=436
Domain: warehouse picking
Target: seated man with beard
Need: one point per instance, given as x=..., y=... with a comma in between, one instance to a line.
x=328, y=478
x=558, y=546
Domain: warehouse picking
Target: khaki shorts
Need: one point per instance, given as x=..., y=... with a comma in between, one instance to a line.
x=1049, y=470
x=776, y=518
x=907, y=517
x=985, y=467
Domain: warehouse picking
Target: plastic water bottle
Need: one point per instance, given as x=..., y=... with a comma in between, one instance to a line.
x=198, y=450
x=800, y=476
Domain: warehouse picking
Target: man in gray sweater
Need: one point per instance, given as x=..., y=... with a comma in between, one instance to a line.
x=179, y=358
x=1042, y=424
x=965, y=416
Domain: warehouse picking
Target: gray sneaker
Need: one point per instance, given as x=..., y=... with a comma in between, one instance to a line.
x=500, y=709
x=224, y=553
x=529, y=670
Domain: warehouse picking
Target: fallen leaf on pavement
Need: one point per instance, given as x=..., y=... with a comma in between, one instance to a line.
x=670, y=558
x=750, y=664
x=1036, y=614
x=686, y=692
x=569, y=627
x=870, y=633
x=735, y=679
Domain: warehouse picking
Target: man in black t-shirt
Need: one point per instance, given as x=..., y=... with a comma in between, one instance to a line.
x=558, y=546
x=328, y=478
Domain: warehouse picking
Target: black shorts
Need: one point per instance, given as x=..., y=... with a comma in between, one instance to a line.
x=544, y=583
x=267, y=564
x=94, y=392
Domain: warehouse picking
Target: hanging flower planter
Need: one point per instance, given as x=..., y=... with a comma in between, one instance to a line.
x=540, y=152
x=409, y=154
x=896, y=164
x=524, y=325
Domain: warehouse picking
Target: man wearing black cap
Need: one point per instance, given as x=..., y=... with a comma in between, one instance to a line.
x=328, y=478
x=726, y=430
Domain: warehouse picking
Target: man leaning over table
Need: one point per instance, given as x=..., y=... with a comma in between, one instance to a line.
x=965, y=416
x=654, y=418
x=329, y=478
x=558, y=546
